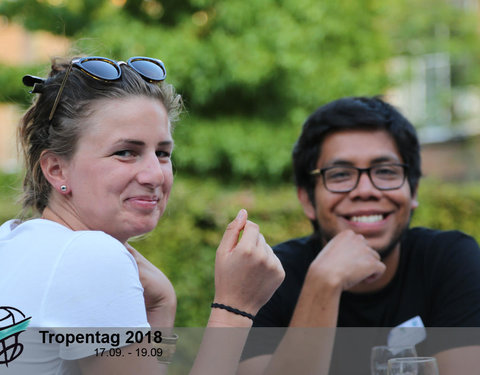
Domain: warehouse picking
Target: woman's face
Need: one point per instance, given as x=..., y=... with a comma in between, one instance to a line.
x=120, y=176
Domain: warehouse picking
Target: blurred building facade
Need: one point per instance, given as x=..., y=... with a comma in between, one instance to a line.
x=20, y=47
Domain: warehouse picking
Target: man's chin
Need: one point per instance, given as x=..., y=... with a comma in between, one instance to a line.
x=385, y=252
x=388, y=250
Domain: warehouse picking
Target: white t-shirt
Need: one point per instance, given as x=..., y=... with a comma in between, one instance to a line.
x=65, y=278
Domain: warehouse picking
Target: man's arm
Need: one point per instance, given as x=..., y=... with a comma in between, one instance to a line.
x=344, y=262
x=301, y=351
x=464, y=360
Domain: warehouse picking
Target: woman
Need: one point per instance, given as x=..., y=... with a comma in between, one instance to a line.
x=97, y=146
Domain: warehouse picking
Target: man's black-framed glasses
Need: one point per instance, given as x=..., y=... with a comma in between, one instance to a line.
x=104, y=69
x=343, y=179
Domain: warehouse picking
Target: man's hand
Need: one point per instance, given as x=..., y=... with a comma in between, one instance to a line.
x=343, y=263
x=346, y=261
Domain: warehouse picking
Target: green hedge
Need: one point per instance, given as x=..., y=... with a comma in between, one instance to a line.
x=449, y=206
x=184, y=243
x=236, y=149
x=12, y=89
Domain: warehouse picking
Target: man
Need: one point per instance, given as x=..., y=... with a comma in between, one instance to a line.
x=357, y=168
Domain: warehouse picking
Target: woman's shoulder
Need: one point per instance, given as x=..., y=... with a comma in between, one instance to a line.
x=53, y=231
x=56, y=241
x=40, y=228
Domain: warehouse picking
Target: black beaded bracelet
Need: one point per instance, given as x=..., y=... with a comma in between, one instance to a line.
x=233, y=310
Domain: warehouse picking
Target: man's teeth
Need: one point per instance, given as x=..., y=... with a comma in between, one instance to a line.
x=367, y=219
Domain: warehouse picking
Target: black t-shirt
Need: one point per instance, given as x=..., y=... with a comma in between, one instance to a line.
x=438, y=279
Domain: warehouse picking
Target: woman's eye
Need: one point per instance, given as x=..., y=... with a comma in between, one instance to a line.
x=125, y=153
x=163, y=154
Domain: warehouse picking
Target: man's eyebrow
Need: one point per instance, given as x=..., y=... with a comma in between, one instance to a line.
x=378, y=160
x=339, y=162
x=385, y=159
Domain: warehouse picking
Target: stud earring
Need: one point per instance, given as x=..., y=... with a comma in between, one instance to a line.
x=63, y=188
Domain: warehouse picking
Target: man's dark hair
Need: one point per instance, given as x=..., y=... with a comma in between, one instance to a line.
x=353, y=113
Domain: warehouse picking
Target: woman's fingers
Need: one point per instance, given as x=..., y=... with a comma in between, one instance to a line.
x=247, y=272
x=230, y=237
x=250, y=238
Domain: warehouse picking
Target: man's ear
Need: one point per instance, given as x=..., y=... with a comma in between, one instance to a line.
x=414, y=203
x=307, y=205
x=54, y=169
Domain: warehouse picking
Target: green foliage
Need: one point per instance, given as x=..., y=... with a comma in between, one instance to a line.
x=449, y=206
x=9, y=191
x=12, y=90
x=250, y=57
x=262, y=57
x=66, y=18
x=235, y=149
x=251, y=71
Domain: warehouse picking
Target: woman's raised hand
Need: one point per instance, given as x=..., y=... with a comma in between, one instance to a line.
x=247, y=272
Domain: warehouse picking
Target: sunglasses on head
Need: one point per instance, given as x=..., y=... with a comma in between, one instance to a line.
x=103, y=69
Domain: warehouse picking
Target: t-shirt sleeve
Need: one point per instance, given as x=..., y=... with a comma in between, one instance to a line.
x=95, y=284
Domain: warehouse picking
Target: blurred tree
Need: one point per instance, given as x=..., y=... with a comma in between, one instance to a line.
x=57, y=16
x=241, y=56
x=166, y=12
x=262, y=57
x=266, y=63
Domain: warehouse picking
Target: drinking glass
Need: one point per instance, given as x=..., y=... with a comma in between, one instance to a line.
x=381, y=354
x=413, y=366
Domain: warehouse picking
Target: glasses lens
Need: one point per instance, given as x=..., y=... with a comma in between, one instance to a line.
x=388, y=176
x=101, y=68
x=340, y=179
x=150, y=69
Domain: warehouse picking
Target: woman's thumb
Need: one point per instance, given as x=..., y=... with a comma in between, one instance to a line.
x=230, y=237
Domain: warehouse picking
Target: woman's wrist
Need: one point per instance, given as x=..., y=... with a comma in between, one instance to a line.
x=224, y=318
x=233, y=310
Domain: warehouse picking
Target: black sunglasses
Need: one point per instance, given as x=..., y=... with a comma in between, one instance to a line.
x=103, y=69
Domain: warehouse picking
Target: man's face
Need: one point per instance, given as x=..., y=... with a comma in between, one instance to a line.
x=380, y=216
